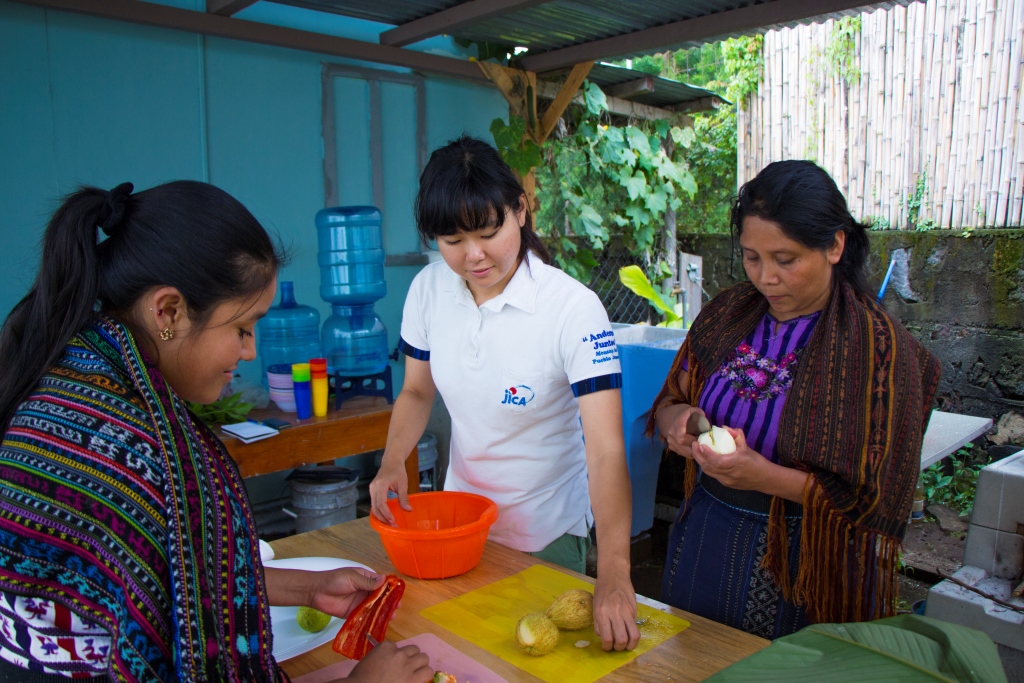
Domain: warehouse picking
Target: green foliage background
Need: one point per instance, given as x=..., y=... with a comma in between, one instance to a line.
x=598, y=178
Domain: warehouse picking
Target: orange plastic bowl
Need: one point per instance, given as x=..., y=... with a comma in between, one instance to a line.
x=443, y=536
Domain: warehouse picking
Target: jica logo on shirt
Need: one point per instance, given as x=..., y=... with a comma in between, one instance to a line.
x=518, y=395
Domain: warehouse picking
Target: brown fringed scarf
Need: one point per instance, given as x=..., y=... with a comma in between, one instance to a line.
x=854, y=419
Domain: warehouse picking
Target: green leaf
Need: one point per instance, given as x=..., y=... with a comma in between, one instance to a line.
x=907, y=648
x=227, y=410
x=636, y=281
x=595, y=99
x=635, y=184
x=521, y=154
x=592, y=221
x=638, y=140
x=588, y=131
x=662, y=127
x=684, y=137
x=688, y=184
x=627, y=157
x=657, y=201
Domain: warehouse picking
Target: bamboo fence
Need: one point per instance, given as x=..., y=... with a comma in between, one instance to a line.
x=931, y=132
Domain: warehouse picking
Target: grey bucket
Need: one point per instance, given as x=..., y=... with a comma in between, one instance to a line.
x=318, y=504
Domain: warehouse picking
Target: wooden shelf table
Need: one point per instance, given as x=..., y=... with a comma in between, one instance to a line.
x=359, y=426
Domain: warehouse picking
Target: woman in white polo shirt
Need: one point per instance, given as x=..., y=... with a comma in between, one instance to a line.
x=526, y=362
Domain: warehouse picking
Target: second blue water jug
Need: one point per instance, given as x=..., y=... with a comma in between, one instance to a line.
x=350, y=255
x=288, y=333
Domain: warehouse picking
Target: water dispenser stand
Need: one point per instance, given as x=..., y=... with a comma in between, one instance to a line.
x=347, y=386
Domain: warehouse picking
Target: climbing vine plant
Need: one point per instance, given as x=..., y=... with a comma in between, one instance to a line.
x=600, y=179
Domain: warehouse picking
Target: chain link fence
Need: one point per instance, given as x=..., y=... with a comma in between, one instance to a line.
x=623, y=305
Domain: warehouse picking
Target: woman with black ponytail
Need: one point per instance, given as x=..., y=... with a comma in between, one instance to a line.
x=128, y=549
x=826, y=397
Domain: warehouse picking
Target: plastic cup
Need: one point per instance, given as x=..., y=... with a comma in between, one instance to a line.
x=303, y=399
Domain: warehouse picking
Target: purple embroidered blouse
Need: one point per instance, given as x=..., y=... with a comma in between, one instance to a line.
x=749, y=390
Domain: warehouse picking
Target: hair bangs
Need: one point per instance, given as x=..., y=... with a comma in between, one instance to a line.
x=467, y=205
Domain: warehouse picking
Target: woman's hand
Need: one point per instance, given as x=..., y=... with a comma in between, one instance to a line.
x=743, y=469
x=391, y=477
x=747, y=470
x=615, y=612
x=672, y=421
x=388, y=662
x=338, y=591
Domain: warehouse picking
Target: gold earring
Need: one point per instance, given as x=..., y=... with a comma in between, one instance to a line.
x=167, y=334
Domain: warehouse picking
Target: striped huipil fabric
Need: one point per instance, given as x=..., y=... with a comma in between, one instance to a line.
x=118, y=505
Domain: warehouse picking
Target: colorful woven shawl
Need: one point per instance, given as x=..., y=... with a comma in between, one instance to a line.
x=119, y=505
x=854, y=419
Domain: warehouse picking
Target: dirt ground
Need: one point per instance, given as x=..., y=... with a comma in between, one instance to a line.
x=926, y=548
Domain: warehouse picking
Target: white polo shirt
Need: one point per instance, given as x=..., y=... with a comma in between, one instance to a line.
x=509, y=371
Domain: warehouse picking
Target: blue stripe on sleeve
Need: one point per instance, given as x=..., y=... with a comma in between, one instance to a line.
x=589, y=386
x=411, y=351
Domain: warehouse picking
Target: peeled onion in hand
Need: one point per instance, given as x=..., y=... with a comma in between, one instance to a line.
x=719, y=440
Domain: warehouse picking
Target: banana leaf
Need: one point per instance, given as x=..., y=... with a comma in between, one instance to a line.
x=904, y=649
x=636, y=280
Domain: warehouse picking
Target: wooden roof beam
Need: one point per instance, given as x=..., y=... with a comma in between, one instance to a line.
x=562, y=99
x=750, y=19
x=227, y=8
x=703, y=104
x=450, y=19
x=618, y=106
x=163, y=16
x=640, y=86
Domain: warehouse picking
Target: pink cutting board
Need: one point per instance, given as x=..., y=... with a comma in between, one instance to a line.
x=443, y=657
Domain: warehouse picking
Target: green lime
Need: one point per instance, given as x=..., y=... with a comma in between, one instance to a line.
x=312, y=620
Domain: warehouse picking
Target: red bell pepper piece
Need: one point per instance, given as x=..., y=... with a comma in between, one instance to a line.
x=371, y=616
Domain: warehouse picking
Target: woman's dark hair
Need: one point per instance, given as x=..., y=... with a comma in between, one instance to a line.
x=806, y=203
x=185, y=234
x=467, y=186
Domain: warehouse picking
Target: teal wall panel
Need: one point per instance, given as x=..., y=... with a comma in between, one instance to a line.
x=99, y=102
x=352, y=140
x=457, y=107
x=28, y=170
x=125, y=102
x=401, y=173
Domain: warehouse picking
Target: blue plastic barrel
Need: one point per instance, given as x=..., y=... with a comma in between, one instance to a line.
x=646, y=354
x=350, y=255
x=288, y=333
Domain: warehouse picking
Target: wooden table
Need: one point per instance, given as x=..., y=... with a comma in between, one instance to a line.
x=693, y=655
x=361, y=425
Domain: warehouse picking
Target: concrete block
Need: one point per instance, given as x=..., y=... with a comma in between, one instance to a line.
x=950, y=602
x=999, y=497
x=998, y=553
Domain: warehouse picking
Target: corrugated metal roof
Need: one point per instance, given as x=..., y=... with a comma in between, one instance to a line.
x=384, y=11
x=666, y=91
x=558, y=23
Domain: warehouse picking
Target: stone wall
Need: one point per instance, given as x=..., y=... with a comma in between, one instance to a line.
x=963, y=296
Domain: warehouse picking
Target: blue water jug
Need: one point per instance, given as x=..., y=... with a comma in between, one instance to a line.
x=350, y=255
x=288, y=333
x=355, y=341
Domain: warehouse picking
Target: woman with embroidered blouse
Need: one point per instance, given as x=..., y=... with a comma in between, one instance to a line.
x=827, y=397
x=128, y=548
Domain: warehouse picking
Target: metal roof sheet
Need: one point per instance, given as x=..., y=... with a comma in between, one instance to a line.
x=559, y=23
x=667, y=92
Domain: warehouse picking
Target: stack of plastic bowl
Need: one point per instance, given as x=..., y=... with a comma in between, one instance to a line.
x=279, y=378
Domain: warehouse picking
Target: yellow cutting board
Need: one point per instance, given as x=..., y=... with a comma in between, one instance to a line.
x=487, y=617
